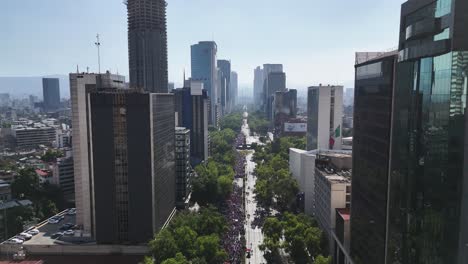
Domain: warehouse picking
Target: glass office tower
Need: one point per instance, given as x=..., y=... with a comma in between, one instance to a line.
x=371, y=148
x=428, y=195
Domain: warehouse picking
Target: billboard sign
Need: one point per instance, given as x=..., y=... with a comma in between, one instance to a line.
x=295, y=127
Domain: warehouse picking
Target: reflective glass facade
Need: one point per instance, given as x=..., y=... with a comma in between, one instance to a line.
x=371, y=150
x=428, y=179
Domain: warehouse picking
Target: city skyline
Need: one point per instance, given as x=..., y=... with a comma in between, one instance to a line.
x=337, y=40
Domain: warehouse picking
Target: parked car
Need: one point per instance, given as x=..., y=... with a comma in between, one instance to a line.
x=69, y=232
x=66, y=226
x=26, y=236
x=56, y=235
x=52, y=220
x=15, y=241
x=19, y=238
x=71, y=211
x=33, y=232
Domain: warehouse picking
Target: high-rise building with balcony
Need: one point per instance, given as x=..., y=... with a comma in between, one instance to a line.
x=183, y=168
x=147, y=45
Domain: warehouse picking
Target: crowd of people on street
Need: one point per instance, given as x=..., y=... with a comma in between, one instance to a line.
x=234, y=212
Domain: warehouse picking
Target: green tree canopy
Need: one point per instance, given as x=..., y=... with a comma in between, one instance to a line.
x=163, y=246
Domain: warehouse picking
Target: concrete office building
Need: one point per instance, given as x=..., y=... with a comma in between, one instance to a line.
x=123, y=139
x=258, y=87
x=51, y=93
x=428, y=204
x=324, y=113
x=183, y=168
x=80, y=86
x=132, y=145
x=192, y=112
x=27, y=137
x=342, y=237
x=5, y=191
x=203, y=62
x=332, y=189
x=374, y=87
x=234, y=88
x=302, y=164
x=64, y=171
x=147, y=45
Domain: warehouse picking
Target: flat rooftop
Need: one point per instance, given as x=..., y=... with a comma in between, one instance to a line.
x=345, y=213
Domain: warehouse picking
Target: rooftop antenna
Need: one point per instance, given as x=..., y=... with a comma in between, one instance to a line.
x=87, y=69
x=77, y=69
x=98, y=45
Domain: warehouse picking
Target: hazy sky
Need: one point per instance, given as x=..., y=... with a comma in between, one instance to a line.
x=315, y=40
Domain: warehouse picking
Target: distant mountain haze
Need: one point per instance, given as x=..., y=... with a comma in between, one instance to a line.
x=20, y=87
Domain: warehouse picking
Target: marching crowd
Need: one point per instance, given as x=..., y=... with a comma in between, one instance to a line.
x=234, y=212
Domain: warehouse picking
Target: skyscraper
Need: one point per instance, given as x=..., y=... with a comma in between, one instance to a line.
x=276, y=82
x=123, y=143
x=192, y=111
x=324, y=117
x=224, y=67
x=258, y=86
x=147, y=45
x=285, y=108
x=51, y=93
x=428, y=192
x=234, y=90
x=267, y=92
x=374, y=86
x=203, y=61
x=80, y=86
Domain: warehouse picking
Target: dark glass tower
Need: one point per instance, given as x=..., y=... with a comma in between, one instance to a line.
x=371, y=149
x=132, y=142
x=191, y=105
x=51, y=93
x=225, y=68
x=147, y=45
x=428, y=198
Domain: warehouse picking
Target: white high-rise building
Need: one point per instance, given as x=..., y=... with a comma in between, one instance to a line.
x=325, y=117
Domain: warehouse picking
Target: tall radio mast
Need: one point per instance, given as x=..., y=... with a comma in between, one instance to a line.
x=98, y=45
